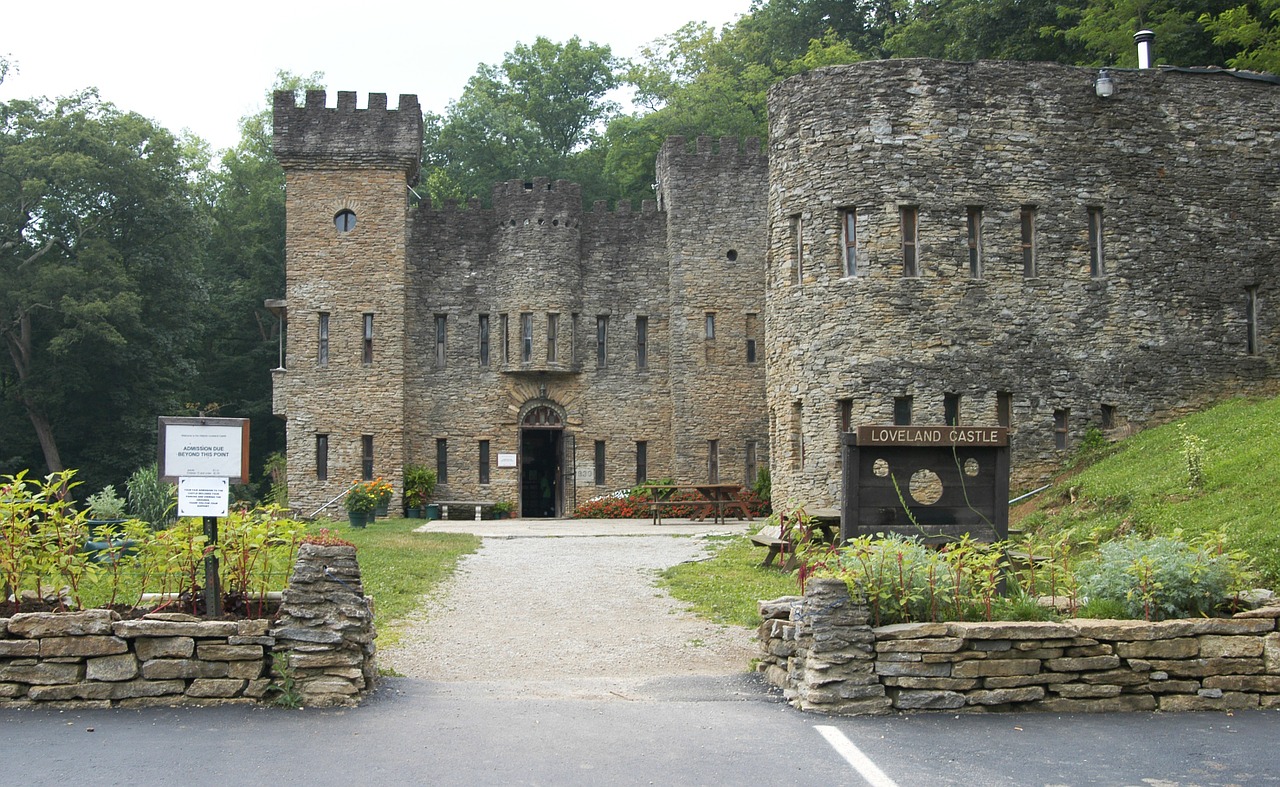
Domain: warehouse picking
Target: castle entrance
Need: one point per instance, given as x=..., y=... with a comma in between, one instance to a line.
x=545, y=475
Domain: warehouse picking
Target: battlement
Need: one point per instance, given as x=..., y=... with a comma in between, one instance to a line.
x=314, y=136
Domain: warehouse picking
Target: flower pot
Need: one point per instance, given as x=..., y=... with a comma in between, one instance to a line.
x=359, y=518
x=413, y=513
x=381, y=510
x=431, y=511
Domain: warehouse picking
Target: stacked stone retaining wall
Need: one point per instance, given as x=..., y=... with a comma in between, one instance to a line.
x=95, y=659
x=823, y=652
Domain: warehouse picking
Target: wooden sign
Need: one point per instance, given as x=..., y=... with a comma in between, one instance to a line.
x=936, y=483
x=204, y=447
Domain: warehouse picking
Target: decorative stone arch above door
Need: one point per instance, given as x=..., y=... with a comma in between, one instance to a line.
x=542, y=414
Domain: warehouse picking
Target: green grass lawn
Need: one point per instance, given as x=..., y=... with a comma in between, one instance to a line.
x=400, y=567
x=1142, y=486
x=726, y=587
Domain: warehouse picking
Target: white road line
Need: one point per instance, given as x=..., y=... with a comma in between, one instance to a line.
x=854, y=756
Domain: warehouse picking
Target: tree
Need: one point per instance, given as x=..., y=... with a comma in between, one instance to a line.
x=101, y=249
x=1105, y=29
x=986, y=29
x=530, y=116
x=1252, y=31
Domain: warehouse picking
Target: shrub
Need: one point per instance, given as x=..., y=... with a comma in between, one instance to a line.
x=150, y=499
x=1158, y=578
x=419, y=485
x=106, y=504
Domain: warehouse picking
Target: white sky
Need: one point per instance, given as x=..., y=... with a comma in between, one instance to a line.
x=201, y=66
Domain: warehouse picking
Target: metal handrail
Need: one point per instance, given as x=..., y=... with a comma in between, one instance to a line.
x=1029, y=494
x=341, y=495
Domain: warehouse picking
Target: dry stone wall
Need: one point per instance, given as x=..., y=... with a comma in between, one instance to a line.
x=821, y=650
x=1180, y=167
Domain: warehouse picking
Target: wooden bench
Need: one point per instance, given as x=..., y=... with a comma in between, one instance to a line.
x=479, y=504
x=777, y=547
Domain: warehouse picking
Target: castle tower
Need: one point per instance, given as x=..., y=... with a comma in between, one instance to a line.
x=342, y=390
x=716, y=204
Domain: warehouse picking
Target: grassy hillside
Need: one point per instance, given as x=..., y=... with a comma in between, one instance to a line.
x=1141, y=485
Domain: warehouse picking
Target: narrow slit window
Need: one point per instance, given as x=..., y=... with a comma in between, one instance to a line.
x=602, y=340
x=441, y=332
x=484, y=340
x=504, y=325
x=366, y=457
x=1028, y=223
x=975, y=241
x=526, y=337
x=642, y=461
x=751, y=469
x=951, y=409
x=1004, y=408
x=710, y=325
x=553, y=337
x=844, y=415
x=1097, y=262
x=713, y=461
x=322, y=340
x=1061, y=420
x=442, y=460
x=910, y=219
x=322, y=457
x=484, y=462
x=367, y=351
x=752, y=331
x=642, y=342
x=599, y=475
x=849, y=239
x=1251, y=320
x=797, y=248
x=797, y=435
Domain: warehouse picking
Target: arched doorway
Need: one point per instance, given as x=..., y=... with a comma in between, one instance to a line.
x=544, y=478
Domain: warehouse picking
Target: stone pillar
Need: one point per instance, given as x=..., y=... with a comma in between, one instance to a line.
x=326, y=627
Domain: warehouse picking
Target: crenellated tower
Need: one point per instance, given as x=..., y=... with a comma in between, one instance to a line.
x=342, y=389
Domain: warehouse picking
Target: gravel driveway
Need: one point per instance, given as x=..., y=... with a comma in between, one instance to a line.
x=571, y=616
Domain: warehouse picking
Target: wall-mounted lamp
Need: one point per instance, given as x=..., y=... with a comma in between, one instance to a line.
x=1103, y=85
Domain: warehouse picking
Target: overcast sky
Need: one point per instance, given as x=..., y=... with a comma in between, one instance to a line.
x=201, y=66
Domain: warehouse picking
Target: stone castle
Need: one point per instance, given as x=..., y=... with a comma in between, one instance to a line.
x=923, y=242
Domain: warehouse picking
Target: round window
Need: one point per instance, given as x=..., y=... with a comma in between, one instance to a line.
x=345, y=220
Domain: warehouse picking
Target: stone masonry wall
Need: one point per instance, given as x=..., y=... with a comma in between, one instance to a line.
x=1075, y=666
x=1183, y=169
x=95, y=659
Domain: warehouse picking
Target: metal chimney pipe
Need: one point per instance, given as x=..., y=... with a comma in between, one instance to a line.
x=1144, y=39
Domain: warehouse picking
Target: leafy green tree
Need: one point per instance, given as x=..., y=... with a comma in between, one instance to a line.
x=532, y=115
x=1105, y=29
x=102, y=232
x=986, y=30
x=1252, y=31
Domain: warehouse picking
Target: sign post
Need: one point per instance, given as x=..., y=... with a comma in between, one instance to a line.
x=202, y=456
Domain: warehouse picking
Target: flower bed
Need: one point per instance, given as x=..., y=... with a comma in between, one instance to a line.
x=627, y=504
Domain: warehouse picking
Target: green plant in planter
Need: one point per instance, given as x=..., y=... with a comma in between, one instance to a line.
x=106, y=504
x=503, y=508
x=150, y=499
x=361, y=498
x=419, y=485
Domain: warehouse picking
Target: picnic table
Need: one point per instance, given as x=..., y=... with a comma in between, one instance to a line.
x=717, y=500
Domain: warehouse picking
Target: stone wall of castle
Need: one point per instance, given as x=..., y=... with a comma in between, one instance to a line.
x=1172, y=179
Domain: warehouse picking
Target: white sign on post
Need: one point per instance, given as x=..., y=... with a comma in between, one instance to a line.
x=206, y=447
x=202, y=496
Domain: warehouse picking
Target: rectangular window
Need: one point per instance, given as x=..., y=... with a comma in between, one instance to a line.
x=642, y=461
x=322, y=457
x=1251, y=320
x=713, y=461
x=1004, y=408
x=910, y=216
x=711, y=325
x=573, y=340
x=599, y=479
x=526, y=337
x=1097, y=263
x=752, y=467
x=751, y=350
x=442, y=460
x=1028, y=221
x=975, y=242
x=366, y=457
x=441, y=328
x=504, y=325
x=752, y=320
x=951, y=409
x=484, y=340
x=553, y=337
x=1060, y=418
x=902, y=411
x=642, y=342
x=1108, y=416
x=322, y=350
x=797, y=435
x=484, y=461
x=844, y=415
x=367, y=353
x=849, y=230
x=797, y=248
x=602, y=339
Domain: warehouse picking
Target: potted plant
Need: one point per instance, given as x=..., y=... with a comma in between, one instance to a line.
x=382, y=492
x=503, y=509
x=360, y=503
x=419, y=486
